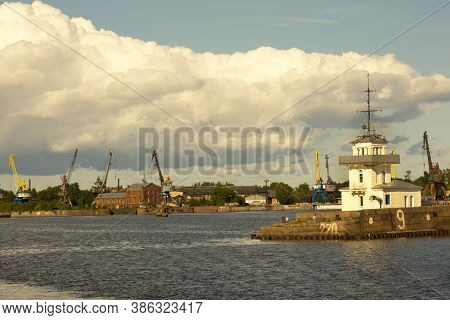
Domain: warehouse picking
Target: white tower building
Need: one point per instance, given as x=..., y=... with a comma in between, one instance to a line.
x=369, y=172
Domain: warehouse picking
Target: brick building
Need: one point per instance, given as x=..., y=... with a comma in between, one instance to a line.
x=142, y=194
x=114, y=200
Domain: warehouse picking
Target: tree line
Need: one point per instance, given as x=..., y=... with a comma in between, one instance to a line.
x=48, y=199
x=222, y=193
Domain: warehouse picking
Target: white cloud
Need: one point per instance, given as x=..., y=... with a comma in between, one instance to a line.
x=52, y=99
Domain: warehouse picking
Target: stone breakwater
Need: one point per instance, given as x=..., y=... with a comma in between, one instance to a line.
x=141, y=211
x=60, y=213
x=363, y=224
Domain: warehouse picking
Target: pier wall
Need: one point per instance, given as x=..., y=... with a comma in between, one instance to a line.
x=363, y=224
x=60, y=213
x=206, y=209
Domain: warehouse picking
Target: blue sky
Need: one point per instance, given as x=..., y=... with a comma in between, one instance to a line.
x=36, y=128
x=313, y=26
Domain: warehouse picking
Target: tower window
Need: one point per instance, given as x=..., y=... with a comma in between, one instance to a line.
x=361, y=177
x=361, y=201
x=388, y=199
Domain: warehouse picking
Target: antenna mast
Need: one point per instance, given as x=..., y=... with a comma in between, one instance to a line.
x=369, y=110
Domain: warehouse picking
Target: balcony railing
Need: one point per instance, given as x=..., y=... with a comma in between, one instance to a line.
x=370, y=159
x=357, y=186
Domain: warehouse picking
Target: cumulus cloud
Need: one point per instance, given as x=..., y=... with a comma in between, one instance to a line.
x=415, y=149
x=55, y=101
x=399, y=139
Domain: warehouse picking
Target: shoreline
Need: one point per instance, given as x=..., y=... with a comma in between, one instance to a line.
x=142, y=212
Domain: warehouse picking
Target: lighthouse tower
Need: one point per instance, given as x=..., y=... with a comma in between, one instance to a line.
x=370, y=172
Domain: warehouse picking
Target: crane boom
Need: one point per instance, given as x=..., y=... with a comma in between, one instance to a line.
x=72, y=165
x=318, y=178
x=18, y=180
x=166, y=187
x=22, y=190
x=65, y=181
x=426, y=147
x=108, y=165
x=156, y=160
x=436, y=185
x=100, y=184
x=319, y=186
x=328, y=169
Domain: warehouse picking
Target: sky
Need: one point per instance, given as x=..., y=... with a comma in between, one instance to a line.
x=215, y=63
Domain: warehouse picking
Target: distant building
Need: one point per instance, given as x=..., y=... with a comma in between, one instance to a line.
x=261, y=198
x=256, y=199
x=253, y=195
x=143, y=194
x=113, y=200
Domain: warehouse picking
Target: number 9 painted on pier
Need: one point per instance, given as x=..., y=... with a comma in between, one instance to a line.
x=401, y=219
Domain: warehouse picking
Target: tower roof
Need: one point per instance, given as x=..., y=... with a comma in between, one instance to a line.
x=398, y=185
x=373, y=138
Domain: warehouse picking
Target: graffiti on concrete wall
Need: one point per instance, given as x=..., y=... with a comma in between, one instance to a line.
x=401, y=219
x=329, y=228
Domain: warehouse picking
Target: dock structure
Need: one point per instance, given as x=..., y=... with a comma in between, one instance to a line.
x=362, y=224
x=375, y=204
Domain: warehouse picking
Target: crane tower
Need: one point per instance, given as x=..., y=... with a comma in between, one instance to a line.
x=22, y=192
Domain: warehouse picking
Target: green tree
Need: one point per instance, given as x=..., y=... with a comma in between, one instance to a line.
x=48, y=195
x=423, y=180
x=194, y=202
x=84, y=200
x=303, y=193
x=283, y=192
x=222, y=194
x=339, y=185
x=447, y=177
x=74, y=193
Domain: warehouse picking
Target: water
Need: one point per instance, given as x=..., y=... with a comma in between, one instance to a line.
x=209, y=256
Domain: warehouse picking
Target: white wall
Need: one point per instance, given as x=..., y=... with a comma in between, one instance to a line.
x=352, y=202
x=369, y=149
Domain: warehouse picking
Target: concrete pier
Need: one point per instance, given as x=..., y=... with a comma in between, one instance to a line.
x=364, y=224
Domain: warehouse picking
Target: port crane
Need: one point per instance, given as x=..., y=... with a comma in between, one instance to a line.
x=22, y=193
x=166, y=185
x=330, y=186
x=100, y=183
x=319, y=187
x=65, y=182
x=436, y=181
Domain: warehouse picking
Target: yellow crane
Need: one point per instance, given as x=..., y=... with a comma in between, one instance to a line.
x=22, y=190
x=393, y=173
x=318, y=187
x=316, y=162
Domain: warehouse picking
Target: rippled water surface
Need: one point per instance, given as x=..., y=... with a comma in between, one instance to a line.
x=209, y=256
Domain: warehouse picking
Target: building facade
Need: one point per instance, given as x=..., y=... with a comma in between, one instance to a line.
x=252, y=194
x=370, y=178
x=142, y=194
x=113, y=200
